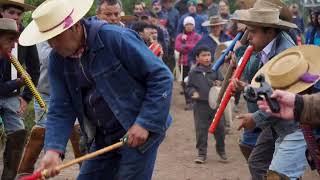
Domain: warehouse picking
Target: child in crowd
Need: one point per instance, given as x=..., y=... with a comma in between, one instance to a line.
x=201, y=79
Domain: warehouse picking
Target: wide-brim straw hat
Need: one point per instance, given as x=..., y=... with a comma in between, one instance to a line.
x=285, y=13
x=261, y=17
x=19, y=3
x=285, y=70
x=52, y=18
x=8, y=25
x=214, y=21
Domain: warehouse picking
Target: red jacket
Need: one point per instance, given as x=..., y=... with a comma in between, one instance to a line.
x=185, y=46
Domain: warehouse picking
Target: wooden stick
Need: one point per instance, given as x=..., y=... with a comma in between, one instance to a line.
x=231, y=68
x=225, y=82
x=90, y=155
x=28, y=81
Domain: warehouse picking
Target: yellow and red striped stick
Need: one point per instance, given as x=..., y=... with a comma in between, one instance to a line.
x=27, y=80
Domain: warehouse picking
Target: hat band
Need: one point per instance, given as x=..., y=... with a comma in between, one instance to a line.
x=308, y=78
x=305, y=77
x=67, y=22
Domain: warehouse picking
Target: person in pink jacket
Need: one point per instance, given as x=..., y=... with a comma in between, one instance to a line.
x=184, y=44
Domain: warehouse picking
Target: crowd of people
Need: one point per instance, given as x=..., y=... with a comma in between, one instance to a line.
x=111, y=76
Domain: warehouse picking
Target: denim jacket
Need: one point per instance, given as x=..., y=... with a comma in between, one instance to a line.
x=136, y=85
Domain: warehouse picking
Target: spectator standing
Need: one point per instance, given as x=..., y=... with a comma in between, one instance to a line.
x=181, y=6
x=184, y=44
x=192, y=11
x=213, y=39
x=172, y=15
x=313, y=31
x=224, y=10
x=213, y=8
x=298, y=20
x=201, y=9
x=138, y=9
x=110, y=11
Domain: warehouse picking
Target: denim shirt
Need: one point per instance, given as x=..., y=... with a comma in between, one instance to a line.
x=136, y=85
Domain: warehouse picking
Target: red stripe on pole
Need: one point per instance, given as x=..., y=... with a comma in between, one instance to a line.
x=34, y=176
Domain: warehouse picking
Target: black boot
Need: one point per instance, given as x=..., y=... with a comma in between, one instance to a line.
x=12, y=154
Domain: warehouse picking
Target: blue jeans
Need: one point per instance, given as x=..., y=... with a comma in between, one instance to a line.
x=40, y=115
x=122, y=164
x=8, y=112
x=250, y=137
x=289, y=155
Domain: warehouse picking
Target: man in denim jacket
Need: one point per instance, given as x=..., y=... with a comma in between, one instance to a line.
x=106, y=77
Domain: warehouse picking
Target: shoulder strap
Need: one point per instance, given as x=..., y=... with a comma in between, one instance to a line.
x=94, y=29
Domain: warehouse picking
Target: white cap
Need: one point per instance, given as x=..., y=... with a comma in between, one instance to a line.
x=188, y=20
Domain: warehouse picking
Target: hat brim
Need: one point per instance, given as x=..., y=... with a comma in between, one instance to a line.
x=31, y=35
x=26, y=7
x=207, y=23
x=242, y=16
x=310, y=52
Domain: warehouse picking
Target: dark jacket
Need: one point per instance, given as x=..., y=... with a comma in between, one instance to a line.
x=172, y=15
x=282, y=42
x=201, y=80
x=28, y=56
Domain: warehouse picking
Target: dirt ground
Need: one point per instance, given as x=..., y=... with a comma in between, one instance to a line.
x=177, y=152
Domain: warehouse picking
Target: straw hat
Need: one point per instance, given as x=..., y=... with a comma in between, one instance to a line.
x=286, y=69
x=285, y=13
x=214, y=21
x=261, y=17
x=8, y=25
x=19, y=3
x=52, y=18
